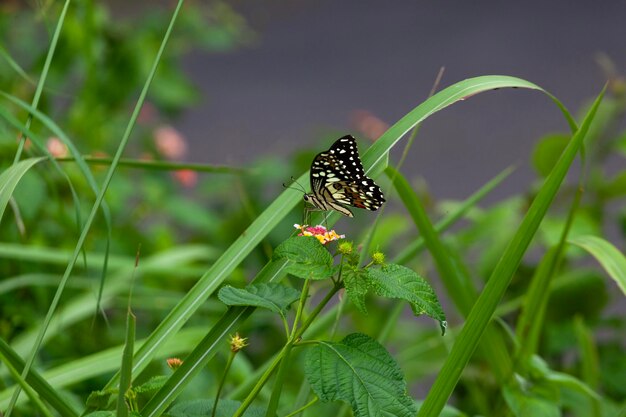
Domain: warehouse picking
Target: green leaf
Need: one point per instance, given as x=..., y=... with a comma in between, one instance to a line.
x=397, y=281
x=307, y=257
x=611, y=259
x=151, y=385
x=529, y=403
x=101, y=414
x=359, y=371
x=273, y=296
x=357, y=284
x=11, y=177
x=203, y=408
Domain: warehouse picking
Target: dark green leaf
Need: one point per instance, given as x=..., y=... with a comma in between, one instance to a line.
x=530, y=402
x=357, y=284
x=273, y=296
x=359, y=371
x=396, y=281
x=307, y=257
x=203, y=408
x=101, y=414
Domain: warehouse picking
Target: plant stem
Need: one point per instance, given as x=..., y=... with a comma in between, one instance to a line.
x=304, y=407
x=219, y=388
x=295, y=336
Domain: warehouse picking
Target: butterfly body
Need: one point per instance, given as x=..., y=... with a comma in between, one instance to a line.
x=338, y=180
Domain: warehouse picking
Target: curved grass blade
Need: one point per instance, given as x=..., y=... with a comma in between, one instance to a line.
x=11, y=177
x=500, y=278
x=287, y=200
x=16, y=67
x=97, y=205
x=611, y=259
x=206, y=349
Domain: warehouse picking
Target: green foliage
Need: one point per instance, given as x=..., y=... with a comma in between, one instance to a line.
x=203, y=408
x=537, y=351
x=273, y=296
x=359, y=371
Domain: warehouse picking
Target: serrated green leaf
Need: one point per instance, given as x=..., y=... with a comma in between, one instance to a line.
x=397, y=281
x=357, y=284
x=359, y=371
x=611, y=259
x=151, y=385
x=307, y=257
x=273, y=296
x=203, y=408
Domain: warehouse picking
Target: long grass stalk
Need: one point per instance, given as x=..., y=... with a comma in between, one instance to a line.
x=95, y=208
x=485, y=306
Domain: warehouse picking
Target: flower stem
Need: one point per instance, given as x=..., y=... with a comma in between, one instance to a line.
x=219, y=389
x=297, y=334
x=304, y=407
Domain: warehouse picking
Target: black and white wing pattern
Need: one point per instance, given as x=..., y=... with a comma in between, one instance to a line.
x=338, y=180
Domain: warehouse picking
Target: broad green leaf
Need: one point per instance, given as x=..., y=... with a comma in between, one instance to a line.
x=359, y=371
x=204, y=408
x=397, y=281
x=307, y=257
x=357, y=284
x=273, y=296
x=611, y=259
x=11, y=177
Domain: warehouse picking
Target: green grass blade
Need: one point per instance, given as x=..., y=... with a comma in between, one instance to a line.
x=451, y=218
x=284, y=203
x=611, y=259
x=96, y=206
x=11, y=177
x=42, y=79
x=499, y=280
x=454, y=275
x=160, y=165
x=206, y=349
x=127, y=364
x=16, y=67
x=30, y=393
x=37, y=382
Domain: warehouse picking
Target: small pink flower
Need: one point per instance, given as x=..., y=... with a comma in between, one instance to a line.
x=319, y=232
x=170, y=143
x=186, y=177
x=56, y=148
x=368, y=124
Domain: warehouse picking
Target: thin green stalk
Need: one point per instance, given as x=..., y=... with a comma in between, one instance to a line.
x=229, y=362
x=29, y=391
x=266, y=375
x=94, y=210
x=304, y=407
x=284, y=363
x=159, y=165
x=39, y=89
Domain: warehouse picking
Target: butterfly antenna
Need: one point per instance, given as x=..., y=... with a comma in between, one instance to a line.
x=293, y=181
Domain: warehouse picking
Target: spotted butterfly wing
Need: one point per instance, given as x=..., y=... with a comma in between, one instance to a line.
x=338, y=180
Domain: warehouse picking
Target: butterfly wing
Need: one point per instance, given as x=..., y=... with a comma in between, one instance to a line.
x=337, y=176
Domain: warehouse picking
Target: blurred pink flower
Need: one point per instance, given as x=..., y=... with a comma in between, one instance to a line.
x=370, y=125
x=186, y=177
x=147, y=113
x=170, y=143
x=56, y=148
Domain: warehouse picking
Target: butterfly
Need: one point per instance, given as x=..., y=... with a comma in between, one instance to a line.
x=338, y=180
